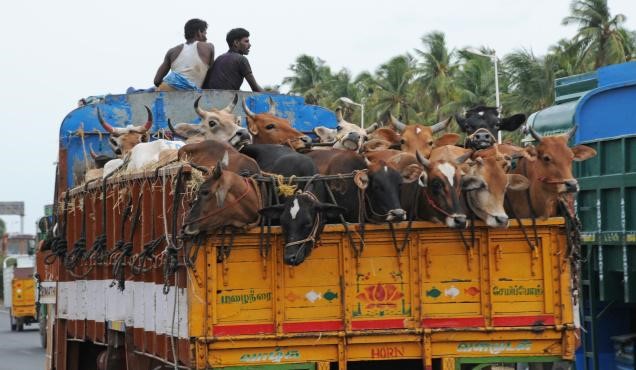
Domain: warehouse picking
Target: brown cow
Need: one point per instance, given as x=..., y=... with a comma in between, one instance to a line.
x=208, y=152
x=419, y=138
x=267, y=128
x=224, y=199
x=549, y=170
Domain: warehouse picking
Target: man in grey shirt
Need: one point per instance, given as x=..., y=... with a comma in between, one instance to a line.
x=229, y=69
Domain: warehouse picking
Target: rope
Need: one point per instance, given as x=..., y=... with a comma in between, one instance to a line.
x=286, y=189
x=59, y=245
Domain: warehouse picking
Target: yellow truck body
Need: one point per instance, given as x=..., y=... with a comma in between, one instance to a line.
x=23, y=300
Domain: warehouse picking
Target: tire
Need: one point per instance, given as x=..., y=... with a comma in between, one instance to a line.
x=13, y=322
x=21, y=326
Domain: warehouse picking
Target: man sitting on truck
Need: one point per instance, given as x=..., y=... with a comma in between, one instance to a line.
x=187, y=63
x=231, y=68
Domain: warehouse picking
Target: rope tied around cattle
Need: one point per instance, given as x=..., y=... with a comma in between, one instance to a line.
x=286, y=189
x=171, y=262
x=123, y=248
x=58, y=244
x=573, y=229
x=78, y=252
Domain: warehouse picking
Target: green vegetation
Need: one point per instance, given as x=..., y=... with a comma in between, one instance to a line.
x=436, y=81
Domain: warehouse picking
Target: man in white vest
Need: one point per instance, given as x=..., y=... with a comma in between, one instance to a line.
x=188, y=63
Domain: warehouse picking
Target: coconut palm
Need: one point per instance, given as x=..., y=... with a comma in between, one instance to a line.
x=436, y=69
x=392, y=82
x=530, y=79
x=599, y=34
x=475, y=81
x=310, y=79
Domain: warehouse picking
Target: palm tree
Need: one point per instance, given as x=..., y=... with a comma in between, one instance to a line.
x=566, y=60
x=436, y=70
x=475, y=82
x=530, y=82
x=311, y=76
x=393, y=82
x=599, y=35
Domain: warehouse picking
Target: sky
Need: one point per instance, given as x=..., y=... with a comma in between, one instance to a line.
x=56, y=52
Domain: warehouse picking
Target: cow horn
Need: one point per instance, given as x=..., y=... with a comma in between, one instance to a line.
x=439, y=126
x=339, y=114
x=462, y=158
x=570, y=132
x=399, y=126
x=247, y=110
x=174, y=132
x=372, y=128
x=272, y=106
x=423, y=161
x=93, y=154
x=535, y=134
x=199, y=111
x=230, y=107
x=148, y=124
x=104, y=124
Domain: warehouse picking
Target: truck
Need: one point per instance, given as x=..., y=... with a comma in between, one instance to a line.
x=415, y=296
x=600, y=104
x=19, y=290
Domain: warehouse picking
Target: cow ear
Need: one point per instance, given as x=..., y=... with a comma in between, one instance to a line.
x=411, y=173
x=324, y=133
x=531, y=153
x=361, y=179
x=470, y=182
x=517, y=182
x=446, y=139
x=376, y=144
x=218, y=171
x=272, y=212
x=251, y=126
x=330, y=210
x=422, y=180
x=460, y=121
x=512, y=123
x=582, y=152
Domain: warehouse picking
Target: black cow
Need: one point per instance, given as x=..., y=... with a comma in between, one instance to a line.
x=302, y=215
x=481, y=125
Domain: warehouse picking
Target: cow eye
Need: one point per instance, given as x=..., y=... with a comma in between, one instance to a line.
x=212, y=123
x=338, y=128
x=430, y=143
x=205, y=193
x=546, y=158
x=270, y=126
x=402, y=141
x=437, y=185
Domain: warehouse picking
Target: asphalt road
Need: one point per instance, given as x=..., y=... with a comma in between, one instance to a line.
x=20, y=350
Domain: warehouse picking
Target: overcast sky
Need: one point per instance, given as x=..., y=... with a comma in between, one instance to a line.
x=55, y=52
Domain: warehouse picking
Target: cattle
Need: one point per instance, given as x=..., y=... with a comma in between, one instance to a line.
x=208, y=152
x=223, y=199
x=439, y=191
x=267, y=128
x=379, y=182
x=218, y=124
x=419, y=138
x=123, y=139
x=346, y=135
x=549, y=170
x=481, y=125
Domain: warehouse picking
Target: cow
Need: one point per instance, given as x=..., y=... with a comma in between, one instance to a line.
x=123, y=139
x=267, y=128
x=549, y=170
x=482, y=123
x=223, y=199
x=208, y=152
x=419, y=138
x=217, y=124
x=346, y=135
x=439, y=190
x=379, y=182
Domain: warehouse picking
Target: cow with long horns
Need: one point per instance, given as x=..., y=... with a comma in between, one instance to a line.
x=216, y=124
x=548, y=167
x=346, y=135
x=267, y=128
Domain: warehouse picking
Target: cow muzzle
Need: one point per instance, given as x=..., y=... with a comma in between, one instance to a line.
x=396, y=215
x=189, y=230
x=456, y=221
x=296, y=255
x=240, y=138
x=497, y=221
x=571, y=186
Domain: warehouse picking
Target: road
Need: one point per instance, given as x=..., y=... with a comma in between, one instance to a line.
x=20, y=350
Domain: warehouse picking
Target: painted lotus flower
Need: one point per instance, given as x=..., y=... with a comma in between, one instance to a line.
x=380, y=296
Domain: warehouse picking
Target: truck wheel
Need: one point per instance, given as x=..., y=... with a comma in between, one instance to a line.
x=20, y=325
x=12, y=321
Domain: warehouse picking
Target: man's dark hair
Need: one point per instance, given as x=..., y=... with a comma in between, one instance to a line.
x=236, y=34
x=193, y=26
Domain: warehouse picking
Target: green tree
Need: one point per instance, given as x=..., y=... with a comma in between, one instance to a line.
x=311, y=78
x=392, y=82
x=531, y=86
x=475, y=81
x=599, y=37
x=436, y=69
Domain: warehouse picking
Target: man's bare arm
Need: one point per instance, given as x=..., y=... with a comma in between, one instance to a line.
x=252, y=81
x=163, y=69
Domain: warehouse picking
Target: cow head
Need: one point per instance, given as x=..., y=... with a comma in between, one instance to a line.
x=267, y=128
x=123, y=139
x=485, y=184
x=99, y=159
x=346, y=135
x=302, y=219
x=442, y=192
x=216, y=124
x=381, y=183
x=224, y=199
x=552, y=161
x=419, y=138
x=481, y=125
